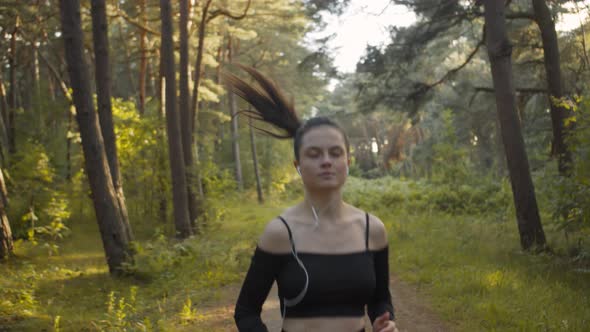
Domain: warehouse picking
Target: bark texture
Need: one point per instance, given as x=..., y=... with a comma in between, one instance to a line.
x=106, y=207
x=175, y=149
x=103, y=96
x=499, y=52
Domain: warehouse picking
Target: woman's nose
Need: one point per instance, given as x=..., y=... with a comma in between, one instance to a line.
x=326, y=161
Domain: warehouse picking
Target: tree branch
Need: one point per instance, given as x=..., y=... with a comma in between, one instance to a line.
x=423, y=87
x=52, y=69
x=227, y=13
x=521, y=90
x=138, y=25
x=479, y=89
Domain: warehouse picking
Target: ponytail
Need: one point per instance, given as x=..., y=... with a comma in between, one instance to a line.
x=269, y=102
x=271, y=106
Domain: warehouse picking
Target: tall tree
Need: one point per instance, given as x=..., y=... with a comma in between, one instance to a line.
x=188, y=126
x=233, y=111
x=143, y=57
x=554, y=86
x=184, y=109
x=106, y=206
x=499, y=52
x=447, y=20
x=6, y=245
x=103, y=96
x=177, y=165
x=13, y=88
x=255, y=163
x=3, y=116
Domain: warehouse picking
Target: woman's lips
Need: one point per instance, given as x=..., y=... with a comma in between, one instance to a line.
x=327, y=174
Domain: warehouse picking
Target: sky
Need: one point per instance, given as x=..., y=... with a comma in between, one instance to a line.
x=366, y=21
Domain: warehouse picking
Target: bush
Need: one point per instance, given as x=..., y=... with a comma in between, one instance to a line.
x=37, y=206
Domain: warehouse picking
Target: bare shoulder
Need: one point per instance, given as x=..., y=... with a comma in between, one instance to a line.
x=377, y=233
x=275, y=237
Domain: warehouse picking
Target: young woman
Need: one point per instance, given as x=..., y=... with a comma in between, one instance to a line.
x=329, y=258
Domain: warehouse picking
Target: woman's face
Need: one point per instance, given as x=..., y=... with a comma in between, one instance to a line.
x=322, y=158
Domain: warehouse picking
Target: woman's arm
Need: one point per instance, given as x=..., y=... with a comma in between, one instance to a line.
x=381, y=301
x=264, y=267
x=254, y=292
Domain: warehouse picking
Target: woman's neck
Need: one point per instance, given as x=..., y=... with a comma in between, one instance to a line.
x=328, y=207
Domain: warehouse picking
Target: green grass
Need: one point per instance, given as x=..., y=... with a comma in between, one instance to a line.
x=469, y=267
x=173, y=280
x=479, y=279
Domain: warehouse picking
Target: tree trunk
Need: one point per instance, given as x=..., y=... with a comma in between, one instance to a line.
x=103, y=96
x=70, y=130
x=128, y=62
x=4, y=103
x=13, y=88
x=162, y=199
x=221, y=53
x=104, y=197
x=234, y=128
x=6, y=245
x=199, y=60
x=553, y=72
x=3, y=113
x=255, y=162
x=194, y=106
x=185, y=117
x=235, y=141
x=175, y=152
x=153, y=78
x=36, y=74
x=499, y=52
x=143, y=59
x=51, y=88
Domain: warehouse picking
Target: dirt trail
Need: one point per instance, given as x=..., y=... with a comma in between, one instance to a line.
x=413, y=313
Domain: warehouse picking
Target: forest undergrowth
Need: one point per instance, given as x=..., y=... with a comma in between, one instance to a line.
x=468, y=264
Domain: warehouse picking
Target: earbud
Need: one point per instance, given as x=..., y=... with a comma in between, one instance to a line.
x=299, y=170
x=347, y=170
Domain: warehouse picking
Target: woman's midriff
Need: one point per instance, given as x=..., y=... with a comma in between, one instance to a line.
x=322, y=324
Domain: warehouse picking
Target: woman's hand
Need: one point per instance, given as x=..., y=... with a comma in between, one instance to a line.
x=383, y=324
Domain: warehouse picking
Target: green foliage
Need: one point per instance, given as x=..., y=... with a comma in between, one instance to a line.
x=143, y=161
x=450, y=160
x=476, y=276
x=188, y=314
x=568, y=198
x=36, y=198
x=121, y=314
x=56, y=326
x=469, y=264
x=391, y=194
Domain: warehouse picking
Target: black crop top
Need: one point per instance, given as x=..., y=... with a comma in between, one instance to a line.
x=338, y=285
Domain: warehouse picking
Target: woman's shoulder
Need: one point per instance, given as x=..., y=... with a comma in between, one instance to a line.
x=377, y=230
x=275, y=237
x=377, y=233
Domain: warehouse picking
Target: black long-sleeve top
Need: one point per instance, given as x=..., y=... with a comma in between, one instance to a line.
x=339, y=285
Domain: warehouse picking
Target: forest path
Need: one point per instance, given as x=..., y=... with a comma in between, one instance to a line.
x=413, y=311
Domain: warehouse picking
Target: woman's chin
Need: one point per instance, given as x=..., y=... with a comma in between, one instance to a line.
x=326, y=185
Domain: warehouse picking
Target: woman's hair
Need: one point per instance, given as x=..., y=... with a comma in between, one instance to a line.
x=271, y=106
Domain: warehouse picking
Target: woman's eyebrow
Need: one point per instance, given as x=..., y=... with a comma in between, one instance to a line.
x=311, y=148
